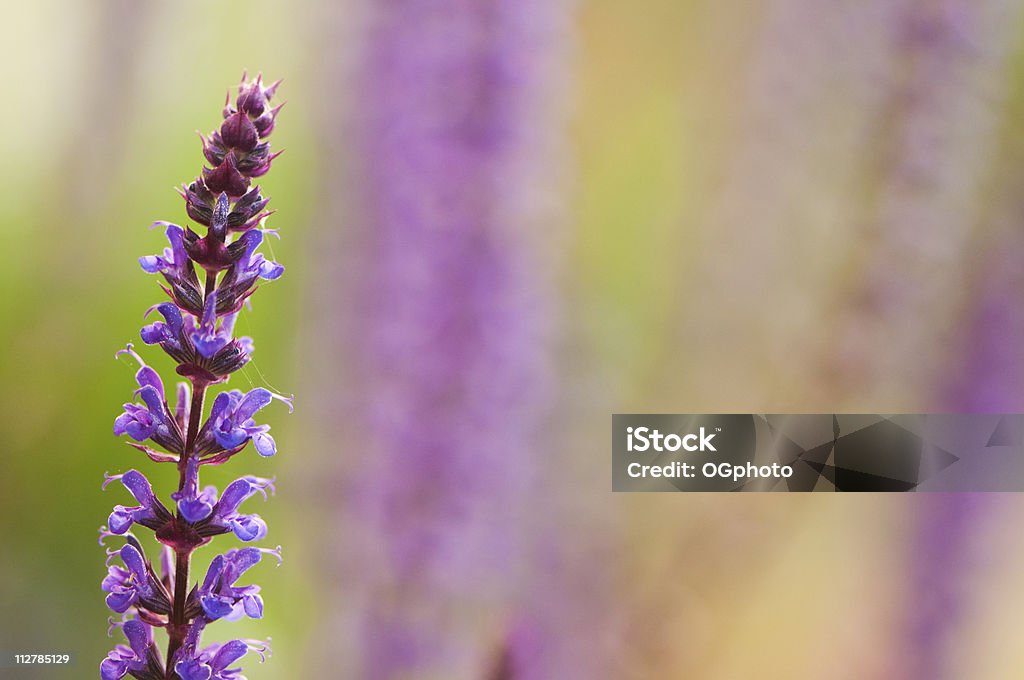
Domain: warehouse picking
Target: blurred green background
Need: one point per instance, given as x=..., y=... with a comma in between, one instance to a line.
x=782, y=206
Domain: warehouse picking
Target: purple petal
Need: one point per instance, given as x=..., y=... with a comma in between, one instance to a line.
x=155, y=333
x=236, y=492
x=122, y=601
x=140, y=431
x=252, y=240
x=265, y=445
x=215, y=606
x=122, y=422
x=208, y=344
x=248, y=527
x=120, y=520
x=213, y=573
x=154, y=401
x=139, y=486
x=181, y=409
x=209, y=319
x=245, y=342
x=113, y=667
x=136, y=564
x=241, y=560
x=195, y=510
x=193, y=670
x=253, y=402
x=138, y=635
x=253, y=605
x=147, y=376
x=115, y=578
x=229, y=653
x=153, y=264
x=176, y=236
x=227, y=324
x=270, y=270
x=172, y=315
x=220, y=404
x=136, y=422
x=231, y=438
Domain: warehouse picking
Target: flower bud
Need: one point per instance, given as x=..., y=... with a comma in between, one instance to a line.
x=226, y=178
x=238, y=132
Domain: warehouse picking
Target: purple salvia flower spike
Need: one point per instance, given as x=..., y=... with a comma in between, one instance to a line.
x=197, y=332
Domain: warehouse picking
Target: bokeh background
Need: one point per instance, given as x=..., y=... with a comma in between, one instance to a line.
x=502, y=222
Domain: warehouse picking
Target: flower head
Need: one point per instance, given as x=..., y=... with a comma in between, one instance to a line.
x=150, y=512
x=204, y=349
x=152, y=419
x=210, y=517
x=231, y=424
x=135, y=585
x=140, y=658
x=212, y=662
x=218, y=595
x=226, y=515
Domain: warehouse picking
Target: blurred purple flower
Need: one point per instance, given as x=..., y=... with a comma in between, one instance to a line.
x=449, y=348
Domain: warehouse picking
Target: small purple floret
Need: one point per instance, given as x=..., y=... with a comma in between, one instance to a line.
x=232, y=424
x=135, y=657
x=212, y=663
x=219, y=596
